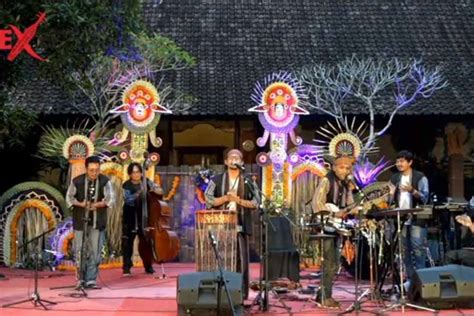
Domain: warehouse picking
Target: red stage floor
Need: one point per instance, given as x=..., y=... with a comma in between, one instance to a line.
x=142, y=294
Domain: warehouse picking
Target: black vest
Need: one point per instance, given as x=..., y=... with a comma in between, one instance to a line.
x=343, y=191
x=416, y=176
x=79, y=212
x=244, y=215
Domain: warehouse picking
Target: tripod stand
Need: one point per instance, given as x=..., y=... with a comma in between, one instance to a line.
x=402, y=301
x=357, y=305
x=82, y=268
x=35, y=297
x=262, y=297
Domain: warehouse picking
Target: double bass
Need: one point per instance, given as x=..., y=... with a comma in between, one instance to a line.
x=162, y=243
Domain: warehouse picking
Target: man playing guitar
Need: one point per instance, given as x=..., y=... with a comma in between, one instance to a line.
x=334, y=189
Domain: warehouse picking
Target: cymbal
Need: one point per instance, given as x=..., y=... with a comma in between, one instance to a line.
x=395, y=211
x=321, y=236
x=322, y=213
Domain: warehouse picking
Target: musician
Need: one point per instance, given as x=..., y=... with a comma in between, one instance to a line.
x=90, y=195
x=409, y=189
x=465, y=255
x=132, y=218
x=335, y=189
x=231, y=190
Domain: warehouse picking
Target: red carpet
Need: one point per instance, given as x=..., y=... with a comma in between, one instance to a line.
x=142, y=294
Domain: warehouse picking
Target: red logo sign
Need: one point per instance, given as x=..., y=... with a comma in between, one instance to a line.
x=22, y=39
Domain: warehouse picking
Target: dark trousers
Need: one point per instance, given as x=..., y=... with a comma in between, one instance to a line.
x=243, y=261
x=463, y=257
x=330, y=264
x=128, y=236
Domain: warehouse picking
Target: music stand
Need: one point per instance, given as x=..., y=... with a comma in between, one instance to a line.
x=35, y=297
x=402, y=302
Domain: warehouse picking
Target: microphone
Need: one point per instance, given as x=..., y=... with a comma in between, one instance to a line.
x=212, y=238
x=239, y=166
x=350, y=179
x=147, y=162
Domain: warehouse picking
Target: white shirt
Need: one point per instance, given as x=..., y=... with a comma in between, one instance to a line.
x=233, y=186
x=405, y=198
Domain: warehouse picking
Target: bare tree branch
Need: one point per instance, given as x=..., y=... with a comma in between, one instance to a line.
x=368, y=81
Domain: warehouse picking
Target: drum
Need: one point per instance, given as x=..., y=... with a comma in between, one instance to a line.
x=223, y=226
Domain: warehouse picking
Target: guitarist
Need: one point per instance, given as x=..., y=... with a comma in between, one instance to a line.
x=465, y=255
x=335, y=189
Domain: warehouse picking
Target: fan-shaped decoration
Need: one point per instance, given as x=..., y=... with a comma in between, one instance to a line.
x=78, y=147
x=342, y=139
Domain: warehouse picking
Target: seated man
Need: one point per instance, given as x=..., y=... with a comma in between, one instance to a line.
x=465, y=255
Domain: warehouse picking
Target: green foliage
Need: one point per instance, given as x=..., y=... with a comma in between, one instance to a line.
x=16, y=124
x=74, y=32
x=162, y=51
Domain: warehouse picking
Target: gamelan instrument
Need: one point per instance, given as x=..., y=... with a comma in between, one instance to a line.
x=223, y=226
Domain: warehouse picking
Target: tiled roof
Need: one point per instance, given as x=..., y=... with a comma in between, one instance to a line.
x=238, y=42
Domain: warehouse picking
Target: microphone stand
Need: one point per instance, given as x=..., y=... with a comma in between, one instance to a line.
x=357, y=306
x=82, y=267
x=262, y=297
x=35, y=297
x=220, y=279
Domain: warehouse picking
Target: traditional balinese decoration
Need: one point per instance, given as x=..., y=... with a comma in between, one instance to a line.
x=61, y=239
x=13, y=205
x=306, y=158
x=140, y=113
x=174, y=187
x=76, y=149
x=367, y=173
x=201, y=180
x=278, y=101
x=117, y=174
x=342, y=140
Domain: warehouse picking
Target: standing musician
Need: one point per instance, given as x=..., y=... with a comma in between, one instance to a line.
x=335, y=189
x=230, y=191
x=89, y=195
x=132, y=218
x=409, y=189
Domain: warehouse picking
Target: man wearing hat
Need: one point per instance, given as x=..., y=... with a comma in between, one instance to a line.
x=230, y=191
x=334, y=189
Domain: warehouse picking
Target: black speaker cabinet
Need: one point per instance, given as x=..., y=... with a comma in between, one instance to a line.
x=444, y=285
x=197, y=293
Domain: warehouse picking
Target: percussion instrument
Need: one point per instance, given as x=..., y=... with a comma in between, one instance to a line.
x=223, y=226
x=394, y=212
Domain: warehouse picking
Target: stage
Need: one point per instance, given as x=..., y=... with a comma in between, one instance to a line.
x=142, y=294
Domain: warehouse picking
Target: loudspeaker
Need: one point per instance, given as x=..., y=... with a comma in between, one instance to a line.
x=443, y=286
x=283, y=257
x=197, y=293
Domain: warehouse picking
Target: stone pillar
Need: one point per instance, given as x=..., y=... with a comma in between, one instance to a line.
x=456, y=135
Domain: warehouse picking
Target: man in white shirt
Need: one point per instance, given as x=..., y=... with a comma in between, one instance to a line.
x=409, y=189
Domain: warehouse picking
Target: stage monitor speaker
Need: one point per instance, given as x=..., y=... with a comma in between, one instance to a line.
x=283, y=257
x=197, y=293
x=443, y=286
